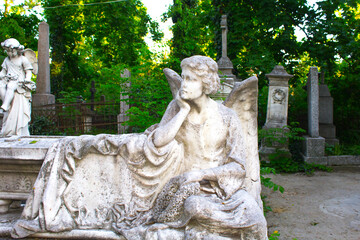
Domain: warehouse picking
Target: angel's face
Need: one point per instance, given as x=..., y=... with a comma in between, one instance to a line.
x=11, y=52
x=191, y=85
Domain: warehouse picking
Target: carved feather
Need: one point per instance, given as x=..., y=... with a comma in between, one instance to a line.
x=243, y=99
x=31, y=56
x=174, y=80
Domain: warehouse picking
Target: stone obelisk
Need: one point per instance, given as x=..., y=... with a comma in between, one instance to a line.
x=43, y=95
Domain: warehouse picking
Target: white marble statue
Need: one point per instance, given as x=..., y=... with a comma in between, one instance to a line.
x=195, y=175
x=15, y=89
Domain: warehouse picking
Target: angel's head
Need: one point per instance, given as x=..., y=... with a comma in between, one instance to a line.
x=12, y=47
x=204, y=69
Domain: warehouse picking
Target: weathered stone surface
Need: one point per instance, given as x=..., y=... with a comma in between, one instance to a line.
x=124, y=106
x=197, y=169
x=326, y=127
x=343, y=160
x=277, y=108
x=313, y=102
x=277, y=111
x=20, y=162
x=225, y=67
x=314, y=147
x=43, y=95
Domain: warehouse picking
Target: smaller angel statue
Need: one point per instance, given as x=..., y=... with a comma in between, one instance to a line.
x=15, y=88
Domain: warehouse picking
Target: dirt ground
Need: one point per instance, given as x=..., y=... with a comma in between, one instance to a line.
x=323, y=206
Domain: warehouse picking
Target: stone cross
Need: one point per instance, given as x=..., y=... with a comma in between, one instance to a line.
x=313, y=102
x=223, y=25
x=42, y=95
x=224, y=63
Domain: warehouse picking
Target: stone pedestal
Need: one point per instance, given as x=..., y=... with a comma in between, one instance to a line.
x=277, y=112
x=314, y=150
x=314, y=144
x=20, y=162
x=227, y=78
x=326, y=127
x=39, y=99
x=313, y=102
x=225, y=65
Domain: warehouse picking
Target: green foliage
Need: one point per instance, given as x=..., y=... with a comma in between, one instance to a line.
x=43, y=126
x=281, y=136
x=342, y=149
x=274, y=236
x=266, y=182
x=261, y=34
x=86, y=39
x=285, y=161
x=22, y=27
x=333, y=42
x=192, y=33
x=149, y=96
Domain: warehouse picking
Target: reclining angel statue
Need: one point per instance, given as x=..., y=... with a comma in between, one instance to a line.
x=195, y=175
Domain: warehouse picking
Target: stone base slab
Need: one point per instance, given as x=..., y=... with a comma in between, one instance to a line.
x=316, y=160
x=313, y=147
x=42, y=99
x=20, y=161
x=340, y=160
x=81, y=234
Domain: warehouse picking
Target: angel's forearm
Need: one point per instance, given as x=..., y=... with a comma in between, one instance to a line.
x=167, y=132
x=28, y=75
x=213, y=174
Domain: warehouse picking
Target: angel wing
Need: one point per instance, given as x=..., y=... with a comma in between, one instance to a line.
x=31, y=56
x=174, y=80
x=243, y=99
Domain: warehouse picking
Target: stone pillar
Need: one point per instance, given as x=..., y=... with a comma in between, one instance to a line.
x=313, y=144
x=277, y=111
x=326, y=127
x=122, y=117
x=42, y=95
x=313, y=102
x=225, y=67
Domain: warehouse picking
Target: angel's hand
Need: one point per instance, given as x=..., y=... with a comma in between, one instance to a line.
x=192, y=176
x=182, y=103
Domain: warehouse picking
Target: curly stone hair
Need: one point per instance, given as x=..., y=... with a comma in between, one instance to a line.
x=206, y=69
x=12, y=43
